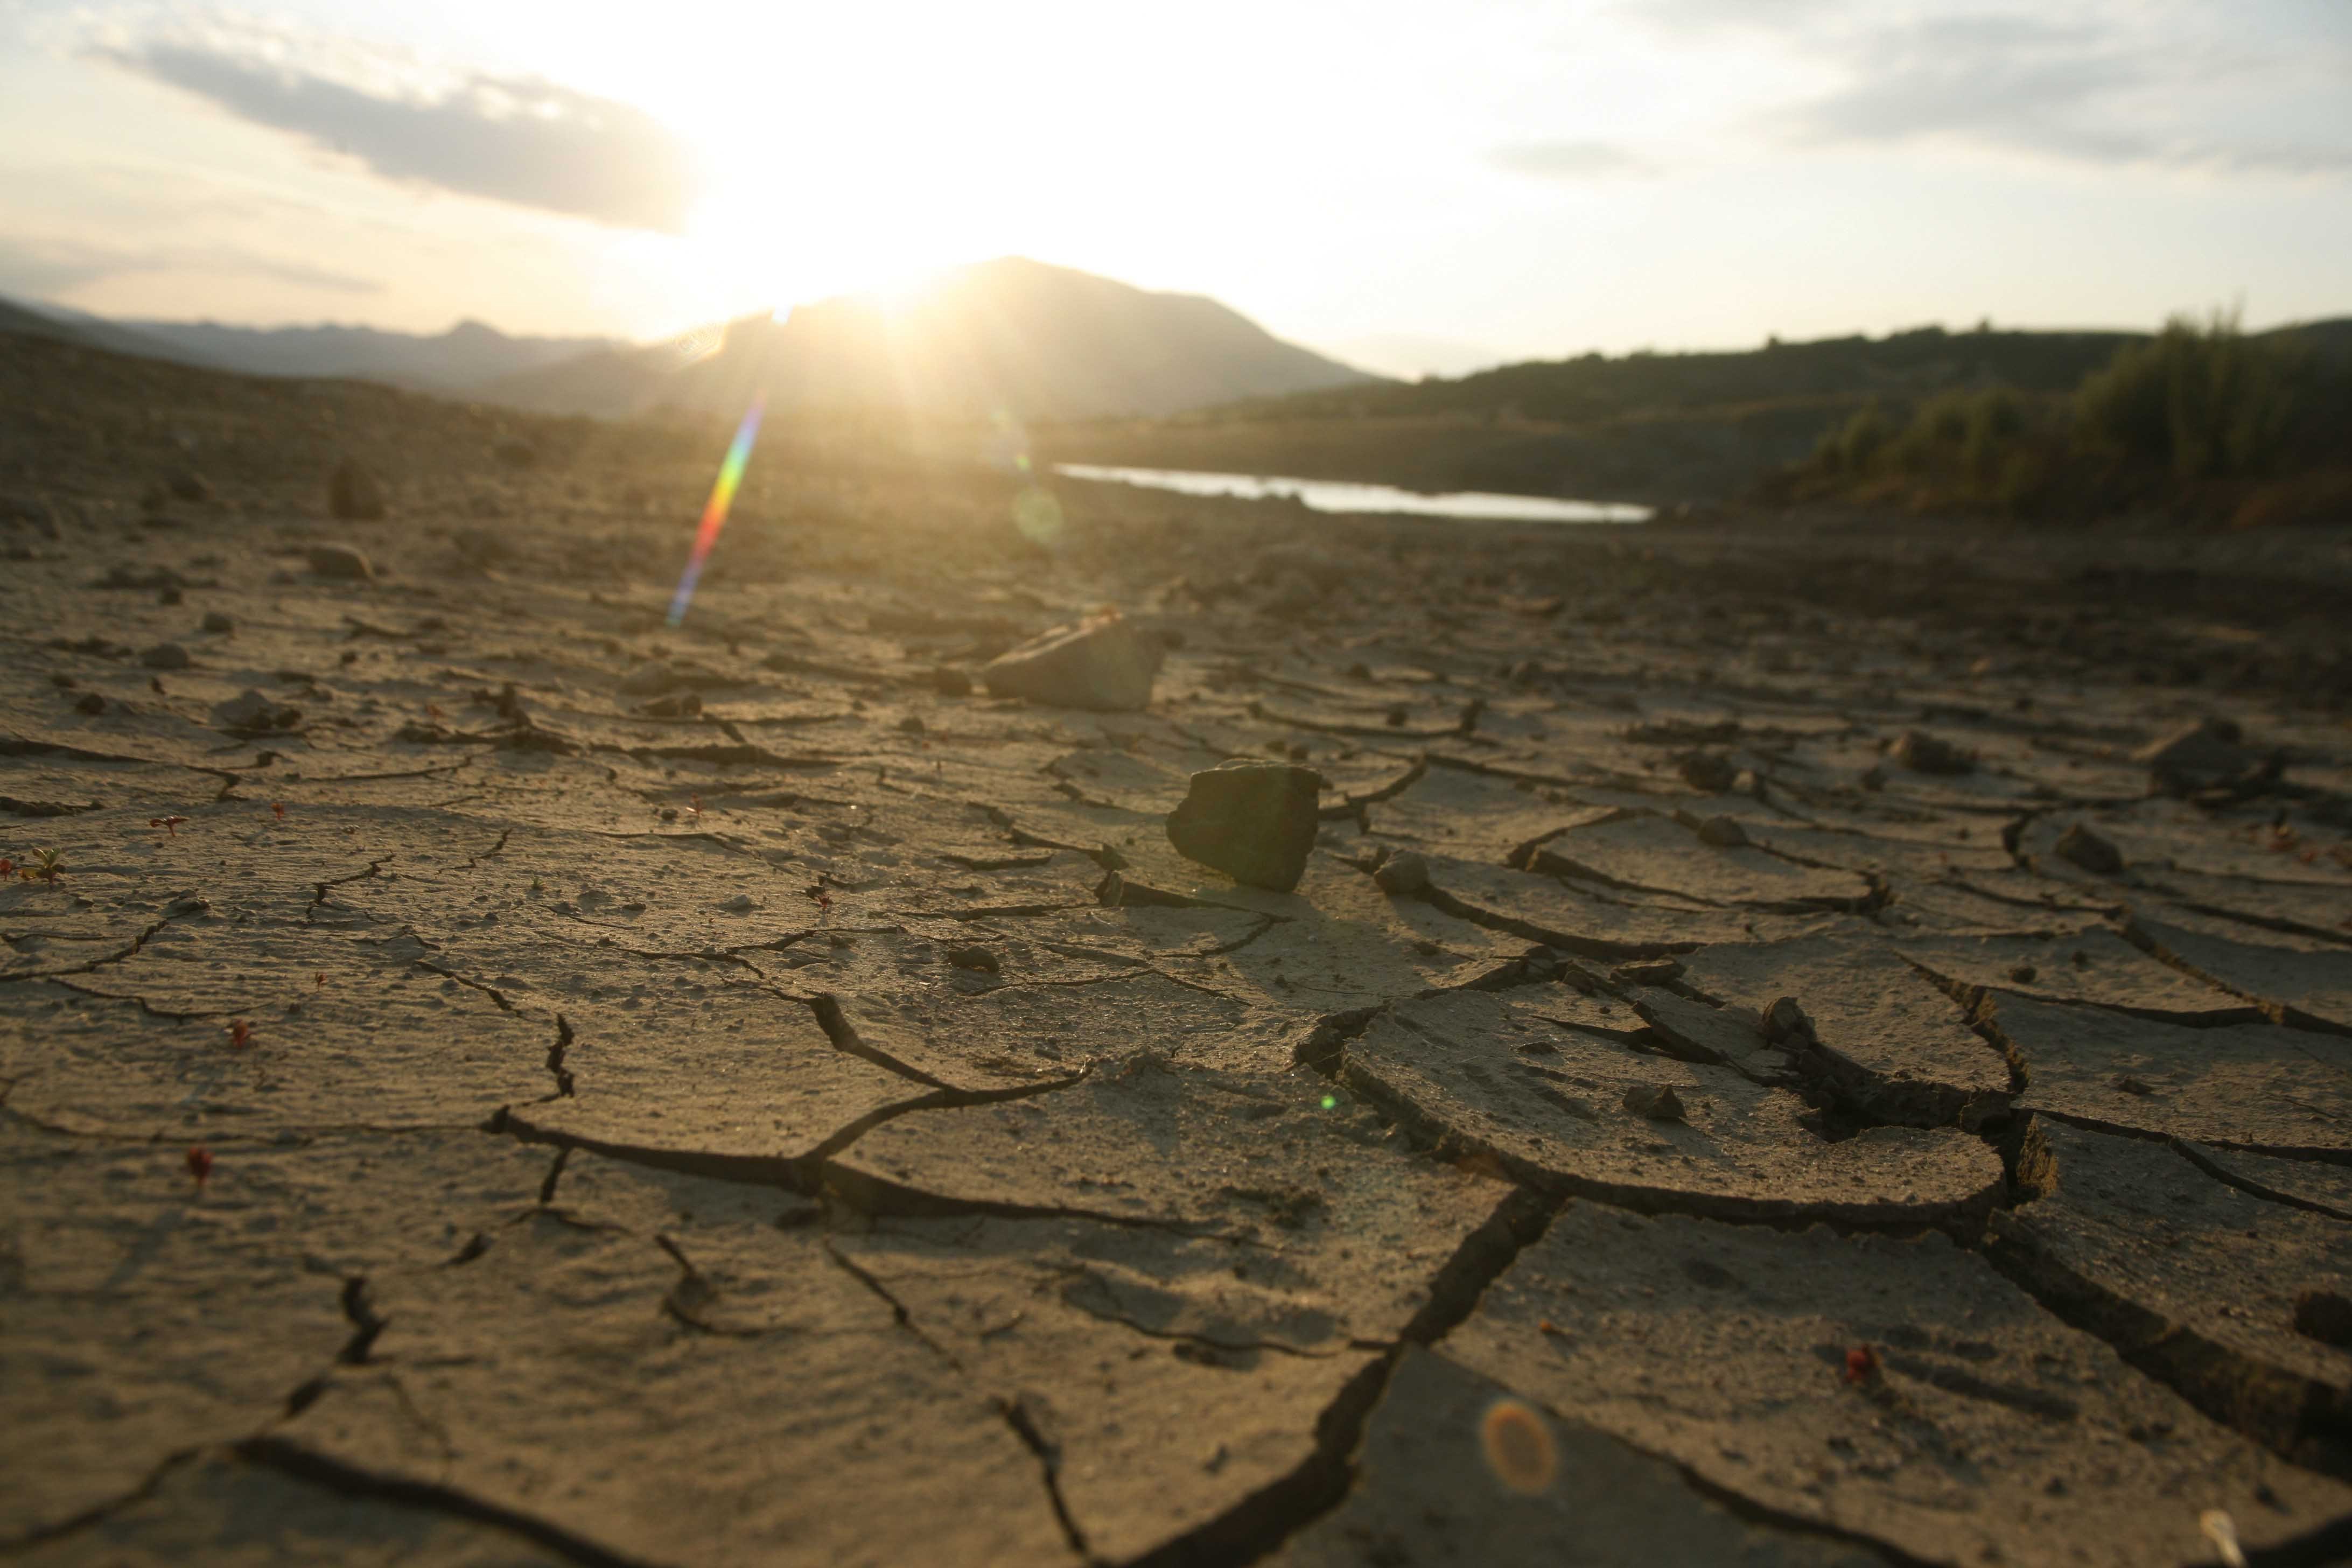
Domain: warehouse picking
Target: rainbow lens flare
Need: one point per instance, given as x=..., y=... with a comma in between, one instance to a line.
x=722, y=496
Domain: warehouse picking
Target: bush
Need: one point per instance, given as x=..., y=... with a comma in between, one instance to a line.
x=2201, y=403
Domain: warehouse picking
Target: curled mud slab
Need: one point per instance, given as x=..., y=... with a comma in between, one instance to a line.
x=489, y=1077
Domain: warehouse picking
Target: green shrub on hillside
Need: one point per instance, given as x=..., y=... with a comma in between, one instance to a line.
x=2191, y=415
x=2203, y=403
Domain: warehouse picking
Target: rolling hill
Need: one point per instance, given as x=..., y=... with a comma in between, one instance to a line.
x=466, y=355
x=1012, y=337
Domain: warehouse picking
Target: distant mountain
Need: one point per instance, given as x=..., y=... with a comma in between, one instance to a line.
x=91, y=332
x=1012, y=337
x=468, y=354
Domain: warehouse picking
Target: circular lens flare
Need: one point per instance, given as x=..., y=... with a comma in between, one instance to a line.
x=1518, y=1447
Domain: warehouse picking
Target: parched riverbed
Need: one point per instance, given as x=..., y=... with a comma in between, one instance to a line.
x=1858, y=1074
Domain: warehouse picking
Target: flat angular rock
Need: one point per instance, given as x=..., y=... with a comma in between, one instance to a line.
x=1488, y=1072
x=1990, y=1431
x=1106, y=663
x=2203, y=755
x=1254, y=821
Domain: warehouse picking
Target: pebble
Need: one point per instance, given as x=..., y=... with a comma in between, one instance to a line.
x=1708, y=771
x=1925, y=753
x=166, y=656
x=251, y=713
x=1723, y=833
x=1658, y=1102
x=219, y=622
x=2094, y=853
x=979, y=960
x=340, y=561
x=1402, y=874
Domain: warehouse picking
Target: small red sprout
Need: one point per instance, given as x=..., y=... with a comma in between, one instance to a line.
x=277, y=809
x=1861, y=1364
x=694, y=805
x=170, y=825
x=321, y=978
x=7, y=869
x=200, y=1164
x=240, y=1033
x=433, y=711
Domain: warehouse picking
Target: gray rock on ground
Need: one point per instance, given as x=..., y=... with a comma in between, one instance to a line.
x=1106, y=664
x=1254, y=821
x=340, y=562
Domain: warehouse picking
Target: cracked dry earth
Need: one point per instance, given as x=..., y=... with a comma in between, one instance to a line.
x=701, y=1097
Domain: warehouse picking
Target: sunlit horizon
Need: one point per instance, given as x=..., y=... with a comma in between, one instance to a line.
x=1496, y=183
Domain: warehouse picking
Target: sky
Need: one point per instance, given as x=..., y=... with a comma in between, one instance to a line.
x=1417, y=187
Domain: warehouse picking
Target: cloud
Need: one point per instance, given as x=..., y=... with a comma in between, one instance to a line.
x=44, y=268
x=2082, y=83
x=1570, y=159
x=516, y=140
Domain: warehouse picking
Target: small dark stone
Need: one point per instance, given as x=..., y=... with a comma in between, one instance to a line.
x=340, y=561
x=912, y=724
x=251, y=713
x=979, y=960
x=354, y=494
x=1657, y=1102
x=1723, y=833
x=169, y=596
x=90, y=702
x=1925, y=753
x=1787, y=1023
x=188, y=485
x=219, y=622
x=1402, y=874
x=166, y=656
x=1254, y=821
x=1708, y=771
x=949, y=682
x=2090, y=852
x=2022, y=973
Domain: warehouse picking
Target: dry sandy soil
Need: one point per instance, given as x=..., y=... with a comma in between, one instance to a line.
x=699, y=1095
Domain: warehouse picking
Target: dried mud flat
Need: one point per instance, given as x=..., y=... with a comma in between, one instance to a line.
x=733, y=1094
